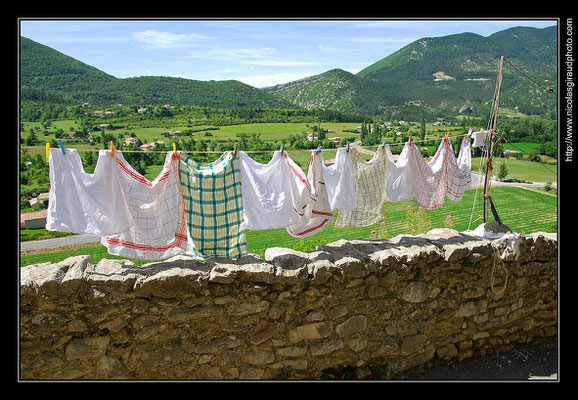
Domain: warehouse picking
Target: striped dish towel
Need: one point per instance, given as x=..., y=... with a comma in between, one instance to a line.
x=157, y=212
x=370, y=183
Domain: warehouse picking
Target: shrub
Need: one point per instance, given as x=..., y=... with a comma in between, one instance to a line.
x=417, y=222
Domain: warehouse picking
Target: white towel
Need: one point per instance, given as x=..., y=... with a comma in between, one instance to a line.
x=459, y=171
x=479, y=137
x=317, y=214
x=400, y=179
x=85, y=203
x=274, y=194
x=430, y=178
x=157, y=209
x=370, y=178
x=340, y=181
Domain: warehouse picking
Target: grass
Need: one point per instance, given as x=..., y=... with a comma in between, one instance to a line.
x=532, y=171
x=520, y=209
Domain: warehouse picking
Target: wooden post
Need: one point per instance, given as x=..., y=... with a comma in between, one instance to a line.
x=492, y=123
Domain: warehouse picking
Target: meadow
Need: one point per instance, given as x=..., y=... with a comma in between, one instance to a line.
x=520, y=209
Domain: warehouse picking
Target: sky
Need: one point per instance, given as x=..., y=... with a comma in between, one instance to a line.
x=256, y=52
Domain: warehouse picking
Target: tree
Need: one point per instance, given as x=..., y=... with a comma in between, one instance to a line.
x=422, y=130
x=502, y=171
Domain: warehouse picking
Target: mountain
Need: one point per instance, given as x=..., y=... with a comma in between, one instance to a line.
x=46, y=74
x=443, y=73
x=457, y=70
x=336, y=90
x=428, y=77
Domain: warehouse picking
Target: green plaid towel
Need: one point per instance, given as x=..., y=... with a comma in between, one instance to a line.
x=213, y=207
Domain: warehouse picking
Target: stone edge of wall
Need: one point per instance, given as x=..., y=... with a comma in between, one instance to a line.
x=352, y=258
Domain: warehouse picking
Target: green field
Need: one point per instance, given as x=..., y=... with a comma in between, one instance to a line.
x=532, y=171
x=520, y=209
x=268, y=131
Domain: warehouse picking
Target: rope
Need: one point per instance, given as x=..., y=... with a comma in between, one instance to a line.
x=539, y=162
x=547, y=89
x=213, y=151
x=492, y=276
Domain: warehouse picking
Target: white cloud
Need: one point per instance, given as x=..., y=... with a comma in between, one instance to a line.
x=153, y=39
x=378, y=39
x=280, y=63
x=264, y=80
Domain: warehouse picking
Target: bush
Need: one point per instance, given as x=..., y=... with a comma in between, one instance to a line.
x=307, y=245
x=417, y=222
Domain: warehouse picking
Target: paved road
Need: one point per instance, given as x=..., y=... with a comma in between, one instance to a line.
x=524, y=362
x=57, y=242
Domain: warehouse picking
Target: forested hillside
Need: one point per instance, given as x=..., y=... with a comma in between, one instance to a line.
x=48, y=75
x=428, y=78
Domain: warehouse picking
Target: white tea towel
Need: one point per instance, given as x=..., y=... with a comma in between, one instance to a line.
x=84, y=203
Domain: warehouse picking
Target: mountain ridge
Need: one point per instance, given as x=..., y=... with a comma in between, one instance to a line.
x=426, y=77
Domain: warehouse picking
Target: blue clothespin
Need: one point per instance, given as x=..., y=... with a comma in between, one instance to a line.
x=347, y=145
x=318, y=149
x=61, y=147
x=281, y=149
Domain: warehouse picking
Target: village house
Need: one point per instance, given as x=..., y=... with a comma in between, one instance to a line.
x=131, y=140
x=147, y=146
x=33, y=220
x=150, y=146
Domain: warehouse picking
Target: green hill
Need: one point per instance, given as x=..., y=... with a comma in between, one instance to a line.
x=440, y=74
x=428, y=77
x=337, y=90
x=456, y=70
x=46, y=74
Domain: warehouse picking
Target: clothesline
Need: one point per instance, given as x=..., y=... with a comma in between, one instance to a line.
x=199, y=210
x=246, y=151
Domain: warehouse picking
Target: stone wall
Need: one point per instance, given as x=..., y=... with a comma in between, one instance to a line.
x=381, y=307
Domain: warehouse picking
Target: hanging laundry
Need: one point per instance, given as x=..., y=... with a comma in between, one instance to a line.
x=370, y=179
x=400, y=179
x=157, y=209
x=430, y=178
x=340, y=181
x=274, y=194
x=84, y=203
x=213, y=207
x=479, y=137
x=459, y=171
x=316, y=215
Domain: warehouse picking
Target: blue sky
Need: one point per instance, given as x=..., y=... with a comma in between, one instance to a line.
x=257, y=52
